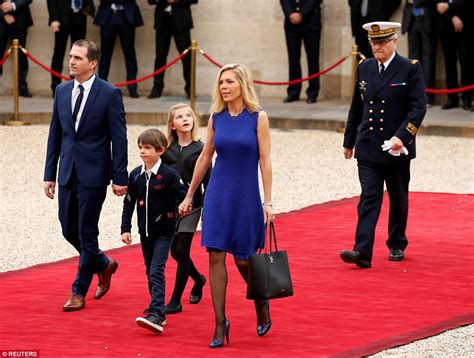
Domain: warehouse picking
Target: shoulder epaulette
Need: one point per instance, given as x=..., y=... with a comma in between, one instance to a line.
x=414, y=62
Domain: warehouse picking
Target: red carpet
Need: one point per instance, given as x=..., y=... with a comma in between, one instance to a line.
x=337, y=309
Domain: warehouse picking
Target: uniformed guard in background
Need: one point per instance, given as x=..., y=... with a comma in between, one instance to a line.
x=388, y=106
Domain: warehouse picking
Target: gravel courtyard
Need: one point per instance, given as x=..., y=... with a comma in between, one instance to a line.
x=308, y=168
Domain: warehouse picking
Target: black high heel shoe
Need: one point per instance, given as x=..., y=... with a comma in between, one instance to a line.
x=263, y=329
x=216, y=343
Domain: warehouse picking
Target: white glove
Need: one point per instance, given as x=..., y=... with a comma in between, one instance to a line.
x=387, y=146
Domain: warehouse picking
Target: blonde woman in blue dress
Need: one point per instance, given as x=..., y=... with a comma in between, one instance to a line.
x=233, y=215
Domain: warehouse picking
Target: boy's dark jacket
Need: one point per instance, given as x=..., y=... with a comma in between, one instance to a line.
x=165, y=188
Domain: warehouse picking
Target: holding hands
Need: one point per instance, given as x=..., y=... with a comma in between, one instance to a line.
x=185, y=207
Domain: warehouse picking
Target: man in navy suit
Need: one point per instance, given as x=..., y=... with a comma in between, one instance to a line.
x=15, y=19
x=302, y=25
x=420, y=20
x=388, y=106
x=173, y=18
x=66, y=19
x=119, y=18
x=88, y=137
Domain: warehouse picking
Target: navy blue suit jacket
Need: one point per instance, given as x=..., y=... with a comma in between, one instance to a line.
x=130, y=8
x=22, y=14
x=393, y=104
x=102, y=123
x=309, y=10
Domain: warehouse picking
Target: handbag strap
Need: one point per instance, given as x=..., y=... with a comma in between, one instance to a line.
x=272, y=235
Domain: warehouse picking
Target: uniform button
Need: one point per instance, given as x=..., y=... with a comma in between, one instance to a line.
x=381, y=128
x=371, y=119
x=381, y=119
x=371, y=102
x=383, y=101
x=371, y=111
x=382, y=111
x=371, y=128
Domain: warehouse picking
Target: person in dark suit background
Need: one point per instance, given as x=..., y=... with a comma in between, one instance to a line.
x=172, y=19
x=420, y=20
x=66, y=19
x=388, y=106
x=456, y=34
x=15, y=18
x=88, y=136
x=302, y=24
x=364, y=11
x=119, y=18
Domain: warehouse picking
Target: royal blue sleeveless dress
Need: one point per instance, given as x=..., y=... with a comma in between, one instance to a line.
x=232, y=217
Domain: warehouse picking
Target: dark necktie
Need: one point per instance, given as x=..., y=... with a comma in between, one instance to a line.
x=78, y=104
x=77, y=4
x=382, y=69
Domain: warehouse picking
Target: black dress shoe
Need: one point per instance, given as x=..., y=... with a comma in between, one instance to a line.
x=155, y=93
x=396, y=255
x=451, y=103
x=172, y=307
x=134, y=94
x=311, y=100
x=466, y=104
x=25, y=93
x=355, y=257
x=290, y=99
x=196, y=292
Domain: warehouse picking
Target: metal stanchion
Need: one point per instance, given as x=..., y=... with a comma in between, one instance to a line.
x=192, y=91
x=16, y=95
x=355, y=61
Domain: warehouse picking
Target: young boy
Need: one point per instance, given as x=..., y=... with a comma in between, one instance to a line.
x=155, y=188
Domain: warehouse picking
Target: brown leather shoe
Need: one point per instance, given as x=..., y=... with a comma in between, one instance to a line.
x=105, y=276
x=75, y=303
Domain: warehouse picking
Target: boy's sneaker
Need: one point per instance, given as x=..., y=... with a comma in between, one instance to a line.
x=153, y=321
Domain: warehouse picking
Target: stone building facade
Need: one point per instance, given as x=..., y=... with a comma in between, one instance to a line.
x=246, y=31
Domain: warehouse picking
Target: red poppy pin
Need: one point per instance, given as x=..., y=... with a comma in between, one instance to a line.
x=170, y=215
x=158, y=187
x=141, y=202
x=158, y=176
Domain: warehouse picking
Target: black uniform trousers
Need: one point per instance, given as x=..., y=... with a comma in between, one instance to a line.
x=118, y=25
x=162, y=47
x=15, y=32
x=422, y=45
x=456, y=45
x=76, y=29
x=310, y=38
x=372, y=177
x=79, y=212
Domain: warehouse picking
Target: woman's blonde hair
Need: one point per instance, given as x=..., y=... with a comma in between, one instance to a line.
x=172, y=135
x=245, y=79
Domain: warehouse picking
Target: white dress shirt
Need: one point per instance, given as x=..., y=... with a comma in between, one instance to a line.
x=75, y=93
x=386, y=63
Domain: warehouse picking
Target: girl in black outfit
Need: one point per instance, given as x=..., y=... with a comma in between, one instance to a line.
x=182, y=152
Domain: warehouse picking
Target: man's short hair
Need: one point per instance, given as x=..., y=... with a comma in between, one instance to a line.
x=93, y=51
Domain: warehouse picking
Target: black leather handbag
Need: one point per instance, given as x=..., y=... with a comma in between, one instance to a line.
x=189, y=222
x=269, y=272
